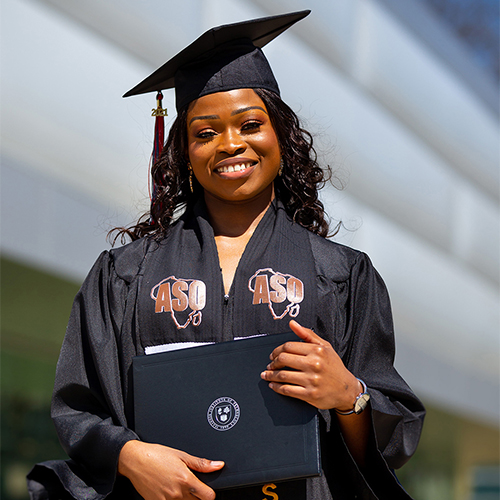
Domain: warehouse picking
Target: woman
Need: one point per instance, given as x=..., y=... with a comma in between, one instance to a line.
x=245, y=172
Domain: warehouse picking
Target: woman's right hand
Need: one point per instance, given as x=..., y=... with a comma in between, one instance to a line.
x=160, y=473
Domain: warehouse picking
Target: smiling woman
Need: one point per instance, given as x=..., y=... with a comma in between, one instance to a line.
x=247, y=257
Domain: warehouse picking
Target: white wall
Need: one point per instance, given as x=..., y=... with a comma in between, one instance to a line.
x=418, y=144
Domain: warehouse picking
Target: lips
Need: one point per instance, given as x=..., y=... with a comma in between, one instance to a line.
x=236, y=167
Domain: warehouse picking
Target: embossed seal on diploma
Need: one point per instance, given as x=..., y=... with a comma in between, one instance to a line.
x=223, y=414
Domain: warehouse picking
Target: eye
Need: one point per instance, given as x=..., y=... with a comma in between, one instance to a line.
x=205, y=134
x=251, y=125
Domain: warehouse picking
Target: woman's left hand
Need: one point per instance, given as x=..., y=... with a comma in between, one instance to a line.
x=317, y=373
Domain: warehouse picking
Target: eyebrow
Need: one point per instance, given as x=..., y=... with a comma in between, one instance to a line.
x=205, y=117
x=217, y=117
x=243, y=110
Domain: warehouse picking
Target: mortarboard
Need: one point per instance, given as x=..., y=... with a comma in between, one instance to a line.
x=223, y=58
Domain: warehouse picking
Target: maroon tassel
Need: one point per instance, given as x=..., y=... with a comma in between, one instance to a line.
x=159, y=140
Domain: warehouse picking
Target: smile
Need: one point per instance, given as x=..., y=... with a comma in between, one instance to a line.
x=238, y=167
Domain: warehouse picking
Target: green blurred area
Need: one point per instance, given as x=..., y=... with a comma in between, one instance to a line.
x=35, y=307
x=430, y=472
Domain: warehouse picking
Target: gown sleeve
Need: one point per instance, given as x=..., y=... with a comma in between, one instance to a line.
x=88, y=404
x=356, y=318
x=397, y=413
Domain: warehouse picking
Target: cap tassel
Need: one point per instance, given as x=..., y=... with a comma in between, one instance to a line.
x=159, y=140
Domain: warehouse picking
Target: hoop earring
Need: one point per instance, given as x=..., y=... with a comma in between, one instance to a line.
x=190, y=169
x=282, y=164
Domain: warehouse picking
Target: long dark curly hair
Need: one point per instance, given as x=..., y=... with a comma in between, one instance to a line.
x=297, y=187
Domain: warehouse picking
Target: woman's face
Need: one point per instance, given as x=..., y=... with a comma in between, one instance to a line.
x=232, y=146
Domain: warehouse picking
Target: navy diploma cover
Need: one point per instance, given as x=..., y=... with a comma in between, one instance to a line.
x=210, y=402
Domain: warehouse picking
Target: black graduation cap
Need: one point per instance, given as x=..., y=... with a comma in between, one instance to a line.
x=223, y=58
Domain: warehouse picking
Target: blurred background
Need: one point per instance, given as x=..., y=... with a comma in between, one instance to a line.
x=402, y=96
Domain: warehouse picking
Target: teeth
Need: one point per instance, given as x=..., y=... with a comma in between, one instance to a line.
x=235, y=168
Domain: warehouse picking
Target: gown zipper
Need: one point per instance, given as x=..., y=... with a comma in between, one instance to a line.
x=227, y=314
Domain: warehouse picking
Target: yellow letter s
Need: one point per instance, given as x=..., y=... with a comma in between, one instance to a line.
x=265, y=489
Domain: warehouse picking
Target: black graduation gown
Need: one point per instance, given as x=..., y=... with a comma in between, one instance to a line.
x=347, y=304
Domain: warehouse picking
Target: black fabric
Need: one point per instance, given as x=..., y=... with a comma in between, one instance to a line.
x=92, y=404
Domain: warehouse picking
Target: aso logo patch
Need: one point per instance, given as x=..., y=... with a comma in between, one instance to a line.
x=184, y=299
x=281, y=292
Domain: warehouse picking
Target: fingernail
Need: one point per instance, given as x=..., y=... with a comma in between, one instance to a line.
x=216, y=463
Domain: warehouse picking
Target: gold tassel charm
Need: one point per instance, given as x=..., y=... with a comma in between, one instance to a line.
x=159, y=111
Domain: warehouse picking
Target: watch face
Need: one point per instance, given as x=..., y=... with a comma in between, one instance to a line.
x=361, y=403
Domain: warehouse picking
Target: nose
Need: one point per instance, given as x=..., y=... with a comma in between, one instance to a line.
x=231, y=142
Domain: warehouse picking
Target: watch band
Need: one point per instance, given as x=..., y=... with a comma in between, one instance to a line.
x=360, y=403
